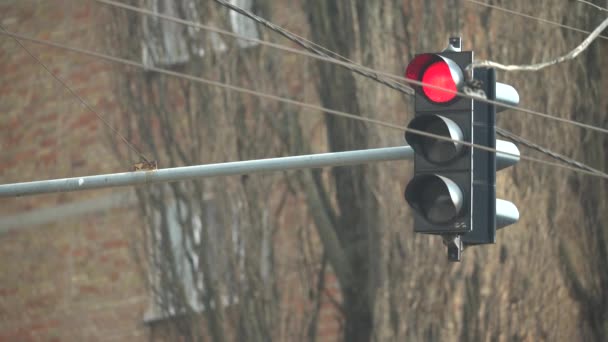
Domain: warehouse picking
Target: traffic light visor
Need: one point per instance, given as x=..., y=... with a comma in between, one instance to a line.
x=437, y=199
x=432, y=149
x=436, y=72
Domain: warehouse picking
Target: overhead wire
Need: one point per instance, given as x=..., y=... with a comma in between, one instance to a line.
x=193, y=78
x=325, y=57
x=288, y=34
x=523, y=15
x=318, y=53
x=286, y=100
x=79, y=98
x=548, y=152
x=529, y=144
x=511, y=136
x=306, y=44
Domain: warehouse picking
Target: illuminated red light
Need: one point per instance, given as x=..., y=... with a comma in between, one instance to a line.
x=438, y=74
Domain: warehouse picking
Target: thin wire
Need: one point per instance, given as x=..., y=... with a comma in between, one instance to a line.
x=316, y=48
x=594, y=5
x=289, y=101
x=235, y=35
x=299, y=40
x=511, y=136
x=517, y=139
x=471, y=95
x=538, y=66
x=288, y=34
x=318, y=53
x=82, y=101
x=196, y=78
x=502, y=9
x=345, y=63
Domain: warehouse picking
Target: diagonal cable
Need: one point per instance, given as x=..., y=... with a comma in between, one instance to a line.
x=235, y=35
x=286, y=100
x=519, y=140
x=471, y=95
x=288, y=34
x=336, y=59
x=242, y=37
x=506, y=10
x=315, y=47
x=80, y=99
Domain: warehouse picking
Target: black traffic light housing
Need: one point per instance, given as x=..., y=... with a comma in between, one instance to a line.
x=453, y=191
x=441, y=191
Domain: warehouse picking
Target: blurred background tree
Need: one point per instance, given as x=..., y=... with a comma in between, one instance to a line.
x=226, y=240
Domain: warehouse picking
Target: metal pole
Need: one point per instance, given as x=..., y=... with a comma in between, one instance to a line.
x=208, y=170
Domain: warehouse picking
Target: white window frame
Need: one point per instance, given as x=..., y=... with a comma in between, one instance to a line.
x=191, y=285
x=194, y=286
x=171, y=48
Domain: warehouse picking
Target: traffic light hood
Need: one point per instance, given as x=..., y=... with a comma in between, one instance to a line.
x=435, y=150
x=437, y=199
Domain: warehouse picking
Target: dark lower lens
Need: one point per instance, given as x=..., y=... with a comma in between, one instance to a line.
x=438, y=199
x=437, y=204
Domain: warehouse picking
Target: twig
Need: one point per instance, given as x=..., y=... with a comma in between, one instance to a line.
x=594, y=5
x=535, y=67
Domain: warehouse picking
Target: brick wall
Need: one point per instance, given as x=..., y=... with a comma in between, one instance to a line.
x=67, y=271
x=65, y=274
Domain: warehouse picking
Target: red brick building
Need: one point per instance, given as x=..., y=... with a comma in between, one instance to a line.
x=67, y=272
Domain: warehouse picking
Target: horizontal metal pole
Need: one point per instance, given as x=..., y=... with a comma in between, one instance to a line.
x=208, y=170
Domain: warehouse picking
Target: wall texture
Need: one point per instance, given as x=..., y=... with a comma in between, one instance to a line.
x=66, y=270
x=67, y=266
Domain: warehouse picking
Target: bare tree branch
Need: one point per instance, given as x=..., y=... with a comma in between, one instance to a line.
x=593, y=5
x=335, y=252
x=538, y=66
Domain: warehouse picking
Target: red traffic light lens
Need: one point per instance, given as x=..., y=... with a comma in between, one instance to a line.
x=438, y=74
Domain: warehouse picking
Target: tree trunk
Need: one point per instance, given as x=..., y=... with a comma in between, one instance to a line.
x=334, y=25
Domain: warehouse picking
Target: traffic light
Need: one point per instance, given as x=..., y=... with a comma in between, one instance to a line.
x=453, y=191
x=440, y=193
